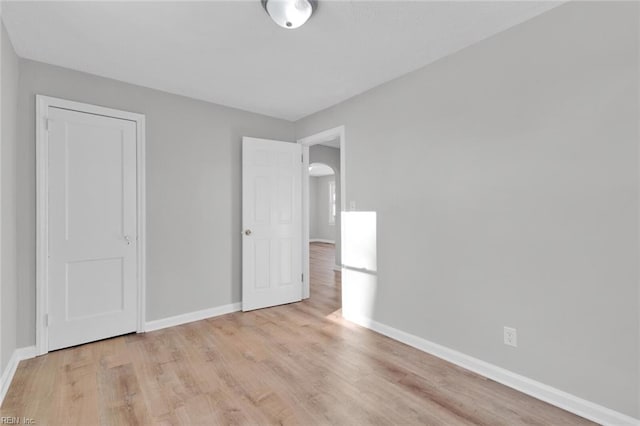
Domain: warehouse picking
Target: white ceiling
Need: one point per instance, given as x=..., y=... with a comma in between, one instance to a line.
x=335, y=143
x=231, y=53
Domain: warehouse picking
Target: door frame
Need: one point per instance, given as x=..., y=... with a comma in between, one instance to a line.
x=42, y=214
x=306, y=142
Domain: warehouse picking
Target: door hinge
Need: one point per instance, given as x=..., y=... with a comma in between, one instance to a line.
x=302, y=158
x=47, y=124
x=302, y=277
x=46, y=320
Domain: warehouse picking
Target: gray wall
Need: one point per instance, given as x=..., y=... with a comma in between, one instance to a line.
x=510, y=197
x=331, y=157
x=319, y=226
x=193, y=189
x=8, y=286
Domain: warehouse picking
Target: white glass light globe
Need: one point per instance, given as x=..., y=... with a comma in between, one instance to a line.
x=289, y=14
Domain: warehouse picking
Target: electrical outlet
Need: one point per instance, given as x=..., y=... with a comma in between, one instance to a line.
x=510, y=337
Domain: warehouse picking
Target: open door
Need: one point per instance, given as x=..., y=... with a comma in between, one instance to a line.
x=272, y=223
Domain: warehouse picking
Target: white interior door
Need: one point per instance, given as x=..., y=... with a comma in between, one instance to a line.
x=92, y=227
x=272, y=223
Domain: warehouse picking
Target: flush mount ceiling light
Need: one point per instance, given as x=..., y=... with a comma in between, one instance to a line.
x=290, y=14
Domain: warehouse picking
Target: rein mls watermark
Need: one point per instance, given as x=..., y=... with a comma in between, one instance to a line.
x=17, y=421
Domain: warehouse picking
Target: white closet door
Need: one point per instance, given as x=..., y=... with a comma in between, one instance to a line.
x=92, y=227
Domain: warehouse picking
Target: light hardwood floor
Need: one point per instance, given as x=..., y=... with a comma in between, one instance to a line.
x=292, y=364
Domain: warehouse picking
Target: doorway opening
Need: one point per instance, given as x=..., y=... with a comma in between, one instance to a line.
x=323, y=202
x=325, y=276
x=323, y=189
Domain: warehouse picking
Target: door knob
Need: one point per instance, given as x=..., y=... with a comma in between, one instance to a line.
x=247, y=232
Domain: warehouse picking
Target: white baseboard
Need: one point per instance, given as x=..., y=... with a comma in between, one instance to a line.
x=192, y=316
x=320, y=240
x=10, y=370
x=551, y=395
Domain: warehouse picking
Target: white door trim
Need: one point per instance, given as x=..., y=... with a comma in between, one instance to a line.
x=42, y=106
x=315, y=139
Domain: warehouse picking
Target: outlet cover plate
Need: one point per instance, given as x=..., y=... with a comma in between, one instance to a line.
x=510, y=337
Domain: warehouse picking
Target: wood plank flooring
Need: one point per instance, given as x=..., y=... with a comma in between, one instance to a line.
x=297, y=364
